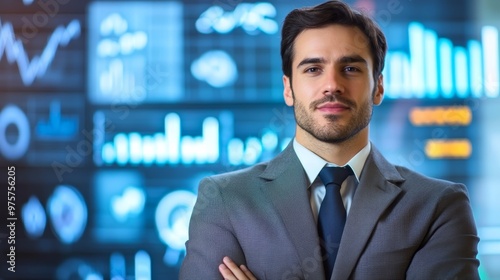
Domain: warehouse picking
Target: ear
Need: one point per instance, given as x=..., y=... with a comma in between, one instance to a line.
x=378, y=95
x=287, y=90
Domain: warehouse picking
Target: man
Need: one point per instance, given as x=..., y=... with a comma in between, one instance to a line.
x=261, y=222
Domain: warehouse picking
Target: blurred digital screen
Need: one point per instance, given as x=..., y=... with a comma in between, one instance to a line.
x=134, y=49
x=112, y=111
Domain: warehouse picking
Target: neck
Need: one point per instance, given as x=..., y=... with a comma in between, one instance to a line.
x=337, y=153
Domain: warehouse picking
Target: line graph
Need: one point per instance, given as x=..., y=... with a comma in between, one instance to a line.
x=15, y=52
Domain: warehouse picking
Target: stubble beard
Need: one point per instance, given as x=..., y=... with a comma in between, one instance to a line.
x=334, y=132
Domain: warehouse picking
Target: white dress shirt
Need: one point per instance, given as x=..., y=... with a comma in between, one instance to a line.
x=313, y=164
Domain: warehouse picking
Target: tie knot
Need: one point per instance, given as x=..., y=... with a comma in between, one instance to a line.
x=335, y=175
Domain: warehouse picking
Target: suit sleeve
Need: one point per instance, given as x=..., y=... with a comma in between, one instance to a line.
x=450, y=247
x=210, y=235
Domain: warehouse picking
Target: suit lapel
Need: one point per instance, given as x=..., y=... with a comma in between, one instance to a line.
x=377, y=189
x=286, y=188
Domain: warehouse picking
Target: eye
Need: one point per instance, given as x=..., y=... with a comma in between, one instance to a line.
x=351, y=69
x=312, y=70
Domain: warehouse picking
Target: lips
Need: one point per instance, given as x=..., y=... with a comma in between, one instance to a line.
x=332, y=107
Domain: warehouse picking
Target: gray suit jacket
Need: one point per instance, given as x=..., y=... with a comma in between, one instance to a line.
x=401, y=225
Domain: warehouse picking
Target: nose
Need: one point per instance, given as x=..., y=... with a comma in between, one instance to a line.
x=333, y=83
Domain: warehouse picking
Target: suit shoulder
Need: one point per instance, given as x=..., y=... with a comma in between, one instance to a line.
x=236, y=177
x=414, y=179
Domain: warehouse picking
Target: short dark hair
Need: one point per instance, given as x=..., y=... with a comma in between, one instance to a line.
x=331, y=12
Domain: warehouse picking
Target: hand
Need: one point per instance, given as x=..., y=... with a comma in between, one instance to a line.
x=231, y=271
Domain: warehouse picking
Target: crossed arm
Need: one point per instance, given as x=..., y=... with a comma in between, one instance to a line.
x=448, y=250
x=231, y=271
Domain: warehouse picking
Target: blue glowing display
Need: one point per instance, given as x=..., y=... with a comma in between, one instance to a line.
x=216, y=68
x=253, y=18
x=12, y=115
x=34, y=218
x=57, y=126
x=130, y=62
x=119, y=202
x=436, y=68
x=42, y=129
x=112, y=112
x=15, y=52
x=216, y=142
x=172, y=222
x=68, y=213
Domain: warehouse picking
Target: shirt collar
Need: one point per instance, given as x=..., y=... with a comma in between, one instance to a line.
x=313, y=164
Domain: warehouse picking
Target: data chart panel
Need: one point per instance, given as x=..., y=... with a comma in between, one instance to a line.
x=191, y=137
x=435, y=67
x=432, y=137
x=44, y=130
x=45, y=57
x=232, y=54
x=138, y=206
x=136, y=52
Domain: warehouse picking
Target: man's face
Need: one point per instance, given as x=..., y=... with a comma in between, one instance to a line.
x=332, y=90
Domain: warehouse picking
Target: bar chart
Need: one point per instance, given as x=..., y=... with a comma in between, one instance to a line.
x=218, y=141
x=436, y=68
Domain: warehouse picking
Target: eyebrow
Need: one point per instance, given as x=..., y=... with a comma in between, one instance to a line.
x=312, y=60
x=353, y=59
x=345, y=59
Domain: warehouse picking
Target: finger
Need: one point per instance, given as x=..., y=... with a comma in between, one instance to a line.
x=247, y=272
x=237, y=272
x=226, y=272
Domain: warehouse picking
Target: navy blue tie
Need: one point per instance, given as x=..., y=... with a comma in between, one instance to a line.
x=332, y=214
